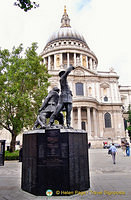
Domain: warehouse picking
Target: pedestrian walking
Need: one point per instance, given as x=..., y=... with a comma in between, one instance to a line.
x=113, y=150
x=123, y=147
x=20, y=154
x=127, y=149
x=89, y=145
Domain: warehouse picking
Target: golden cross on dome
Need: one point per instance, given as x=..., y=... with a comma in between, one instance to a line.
x=64, y=9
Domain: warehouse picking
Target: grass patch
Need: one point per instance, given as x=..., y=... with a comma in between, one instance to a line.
x=12, y=155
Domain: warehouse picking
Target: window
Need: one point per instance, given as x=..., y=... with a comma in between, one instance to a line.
x=107, y=120
x=105, y=98
x=79, y=89
x=83, y=125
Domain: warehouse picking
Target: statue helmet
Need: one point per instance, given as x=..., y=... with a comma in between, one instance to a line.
x=61, y=72
x=56, y=89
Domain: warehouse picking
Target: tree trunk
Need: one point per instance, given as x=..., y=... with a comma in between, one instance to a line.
x=12, y=143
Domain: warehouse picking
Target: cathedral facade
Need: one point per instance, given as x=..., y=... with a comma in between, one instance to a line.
x=97, y=99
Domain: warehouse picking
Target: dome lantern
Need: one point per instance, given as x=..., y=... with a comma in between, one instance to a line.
x=65, y=21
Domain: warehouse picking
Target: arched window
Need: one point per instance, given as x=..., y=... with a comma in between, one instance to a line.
x=79, y=89
x=105, y=98
x=107, y=120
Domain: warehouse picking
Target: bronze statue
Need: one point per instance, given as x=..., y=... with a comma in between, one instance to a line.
x=48, y=107
x=65, y=99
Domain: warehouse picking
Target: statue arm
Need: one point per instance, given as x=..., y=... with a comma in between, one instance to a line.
x=69, y=69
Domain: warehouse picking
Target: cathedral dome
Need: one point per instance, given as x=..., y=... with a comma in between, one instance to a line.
x=66, y=31
x=67, y=46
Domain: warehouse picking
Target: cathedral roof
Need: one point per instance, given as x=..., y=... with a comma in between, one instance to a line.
x=66, y=31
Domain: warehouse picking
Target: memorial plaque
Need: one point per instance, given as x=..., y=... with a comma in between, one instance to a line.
x=53, y=144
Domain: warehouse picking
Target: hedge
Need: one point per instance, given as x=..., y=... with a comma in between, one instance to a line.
x=12, y=155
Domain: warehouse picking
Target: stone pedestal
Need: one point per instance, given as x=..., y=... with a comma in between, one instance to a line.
x=55, y=159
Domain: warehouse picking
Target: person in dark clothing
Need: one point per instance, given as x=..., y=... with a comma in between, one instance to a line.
x=65, y=99
x=127, y=149
x=20, y=154
x=89, y=145
x=48, y=107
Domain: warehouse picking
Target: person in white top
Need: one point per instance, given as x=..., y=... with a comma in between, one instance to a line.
x=113, y=150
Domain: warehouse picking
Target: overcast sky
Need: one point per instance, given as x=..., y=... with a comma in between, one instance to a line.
x=105, y=25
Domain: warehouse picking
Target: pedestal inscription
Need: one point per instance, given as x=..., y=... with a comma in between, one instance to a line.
x=55, y=159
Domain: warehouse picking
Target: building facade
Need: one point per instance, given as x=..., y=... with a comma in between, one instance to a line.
x=97, y=96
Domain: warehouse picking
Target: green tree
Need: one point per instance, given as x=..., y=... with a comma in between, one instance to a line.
x=23, y=85
x=26, y=4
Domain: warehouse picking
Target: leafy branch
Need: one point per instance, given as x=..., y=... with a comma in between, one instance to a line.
x=26, y=4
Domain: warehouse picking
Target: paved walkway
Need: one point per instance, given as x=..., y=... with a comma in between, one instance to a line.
x=108, y=181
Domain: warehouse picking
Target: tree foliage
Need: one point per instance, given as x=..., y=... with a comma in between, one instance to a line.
x=26, y=4
x=23, y=85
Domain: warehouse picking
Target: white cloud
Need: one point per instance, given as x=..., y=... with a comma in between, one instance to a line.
x=105, y=25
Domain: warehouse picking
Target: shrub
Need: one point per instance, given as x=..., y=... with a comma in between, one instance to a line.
x=12, y=155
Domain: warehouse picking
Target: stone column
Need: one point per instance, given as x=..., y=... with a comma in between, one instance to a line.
x=101, y=124
x=95, y=122
x=68, y=60
x=72, y=118
x=74, y=59
x=90, y=63
x=116, y=91
x=48, y=62
x=55, y=61
x=120, y=96
x=112, y=93
x=79, y=117
x=89, y=121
